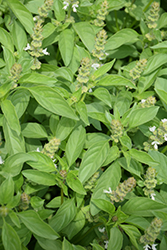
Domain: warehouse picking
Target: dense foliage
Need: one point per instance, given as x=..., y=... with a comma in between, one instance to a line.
x=83, y=123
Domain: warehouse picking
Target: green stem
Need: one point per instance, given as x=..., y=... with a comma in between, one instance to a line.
x=83, y=97
x=164, y=150
x=116, y=19
x=147, y=6
x=62, y=196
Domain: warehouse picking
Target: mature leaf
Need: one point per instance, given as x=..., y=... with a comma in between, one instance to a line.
x=10, y=114
x=10, y=238
x=4, y=89
x=67, y=245
x=19, y=36
x=124, y=36
x=116, y=239
x=75, y=226
x=103, y=95
x=33, y=130
x=82, y=110
x=133, y=234
x=14, y=218
x=155, y=62
x=142, y=206
x=86, y=33
x=36, y=225
x=104, y=205
x=161, y=89
x=162, y=21
x=109, y=179
x=74, y=183
x=6, y=39
x=103, y=69
x=41, y=162
x=143, y=157
x=49, y=244
x=75, y=144
x=52, y=101
x=93, y=160
x=115, y=80
x=7, y=191
x=37, y=78
x=64, y=128
x=22, y=13
x=58, y=10
x=64, y=215
x=142, y=115
x=9, y=58
x=40, y=177
x=134, y=167
x=14, y=142
x=66, y=45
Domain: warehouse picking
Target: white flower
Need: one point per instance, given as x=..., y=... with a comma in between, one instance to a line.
x=152, y=129
x=34, y=18
x=66, y=5
x=101, y=230
x=146, y=247
x=163, y=120
x=107, y=192
x=95, y=66
x=1, y=161
x=45, y=52
x=90, y=90
x=165, y=137
x=54, y=164
x=155, y=143
x=106, y=53
x=28, y=47
x=154, y=246
x=106, y=244
x=152, y=196
x=143, y=100
x=74, y=6
x=38, y=150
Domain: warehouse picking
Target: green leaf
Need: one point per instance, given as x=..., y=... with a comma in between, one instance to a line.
x=86, y=33
x=49, y=244
x=103, y=95
x=10, y=114
x=162, y=21
x=13, y=164
x=37, y=78
x=19, y=36
x=126, y=141
x=133, y=234
x=74, y=183
x=75, y=144
x=142, y=115
x=103, y=69
x=97, y=247
x=109, y=179
x=64, y=128
x=161, y=167
x=75, y=226
x=93, y=160
x=6, y=39
x=142, y=206
x=33, y=130
x=58, y=10
x=161, y=89
x=55, y=202
x=40, y=177
x=14, y=218
x=134, y=167
x=42, y=162
x=115, y=80
x=116, y=239
x=14, y=142
x=10, y=238
x=124, y=36
x=20, y=100
x=66, y=45
x=22, y=13
x=7, y=191
x=9, y=58
x=52, y=101
x=82, y=110
x=104, y=205
x=67, y=245
x=155, y=62
x=36, y=225
x=64, y=215
x=4, y=89
x=143, y=157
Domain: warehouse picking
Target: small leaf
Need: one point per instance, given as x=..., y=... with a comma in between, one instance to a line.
x=40, y=177
x=82, y=110
x=104, y=205
x=143, y=157
x=74, y=183
x=33, y=130
x=116, y=239
x=103, y=69
x=7, y=191
x=6, y=39
x=103, y=95
x=115, y=80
